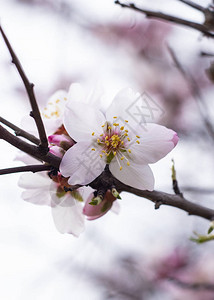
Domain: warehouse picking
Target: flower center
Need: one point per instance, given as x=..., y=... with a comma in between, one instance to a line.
x=114, y=141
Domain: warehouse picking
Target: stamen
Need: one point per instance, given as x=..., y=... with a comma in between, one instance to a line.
x=129, y=150
x=128, y=139
x=103, y=125
x=57, y=101
x=122, y=158
x=92, y=149
x=121, y=168
x=98, y=140
x=128, y=163
x=126, y=121
x=137, y=136
x=126, y=130
x=138, y=142
x=101, y=155
x=122, y=127
x=93, y=133
x=115, y=117
x=115, y=153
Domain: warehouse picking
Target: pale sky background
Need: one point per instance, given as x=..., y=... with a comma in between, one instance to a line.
x=37, y=262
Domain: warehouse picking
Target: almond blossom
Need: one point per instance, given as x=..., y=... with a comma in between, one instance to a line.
x=68, y=208
x=113, y=138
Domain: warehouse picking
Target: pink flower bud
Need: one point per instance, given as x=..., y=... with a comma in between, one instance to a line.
x=61, y=140
x=96, y=211
x=55, y=150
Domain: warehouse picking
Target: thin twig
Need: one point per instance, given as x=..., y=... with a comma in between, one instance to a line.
x=29, y=88
x=20, y=132
x=194, y=5
x=161, y=16
x=29, y=148
x=195, y=92
x=193, y=285
x=30, y=168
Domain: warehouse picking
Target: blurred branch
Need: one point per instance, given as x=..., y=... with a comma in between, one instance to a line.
x=193, y=5
x=30, y=168
x=20, y=132
x=194, y=285
x=28, y=148
x=29, y=88
x=161, y=16
x=195, y=92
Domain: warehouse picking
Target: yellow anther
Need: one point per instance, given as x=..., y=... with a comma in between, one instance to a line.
x=128, y=139
x=107, y=154
x=122, y=127
x=126, y=121
x=65, y=98
x=46, y=116
x=106, y=138
x=126, y=130
x=101, y=134
x=109, y=127
x=115, y=124
x=45, y=108
x=115, y=117
x=103, y=151
x=137, y=136
x=50, y=103
x=129, y=150
x=122, y=142
x=125, y=134
x=115, y=153
x=121, y=168
x=103, y=125
x=128, y=163
x=122, y=158
x=138, y=142
x=101, y=155
x=93, y=133
x=98, y=140
x=92, y=149
x=57, y=101
x=107, y=143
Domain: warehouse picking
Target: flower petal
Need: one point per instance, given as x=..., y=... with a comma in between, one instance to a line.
x=81, y=120
x=137, y=176
x=82, y=164
x=37, y=196
x=69, y=219
x=120, y=107
x=34, y=181
x=156, y=141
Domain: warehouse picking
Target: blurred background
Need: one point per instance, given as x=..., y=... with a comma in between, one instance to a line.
x=141, y=253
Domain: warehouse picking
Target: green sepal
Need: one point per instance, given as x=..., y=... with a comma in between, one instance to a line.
x=60, y=192
x=210, y=229
x=105, y=207
x=110, y=157
x=76, y=195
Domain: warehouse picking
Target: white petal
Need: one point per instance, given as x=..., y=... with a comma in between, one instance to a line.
x=82, y=164
x=69, y=219
x=37, y=196
x=116, y=207
x=75, y=94
x=137, y=176
x=81, y=120
x=26, y=159
x=121, y=108
x=34, y=181
x=156, y=141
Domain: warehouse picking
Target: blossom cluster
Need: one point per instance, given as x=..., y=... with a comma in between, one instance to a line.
x=88, y=139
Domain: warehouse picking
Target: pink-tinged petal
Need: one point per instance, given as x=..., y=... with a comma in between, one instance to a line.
x=135, y=175
x=96, y=211
x=58, y=151
x=81, y=120
x=156, y=141
x=68, y=219
x=81, y=164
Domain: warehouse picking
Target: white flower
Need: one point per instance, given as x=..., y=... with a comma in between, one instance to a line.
x=113, y=138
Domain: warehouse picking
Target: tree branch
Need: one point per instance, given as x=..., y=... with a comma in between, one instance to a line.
x=30, y=168
x=194, y=5
x=29, y=149
x=29, y=88
x=161, y=16
x=20, y=132
x=106, y=181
